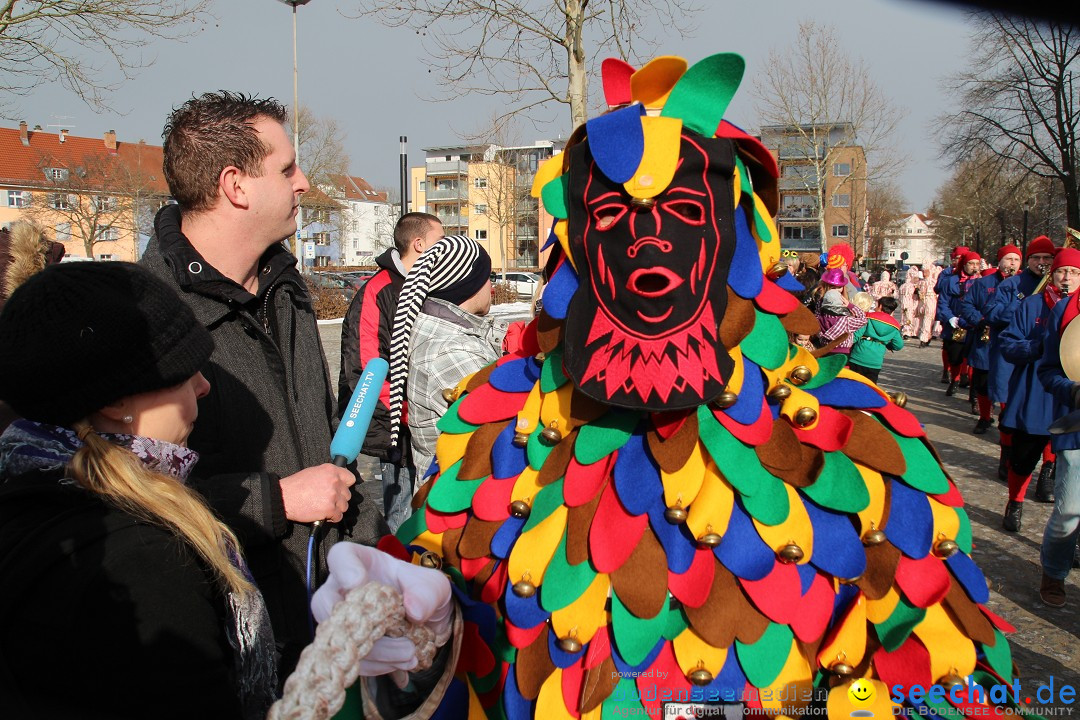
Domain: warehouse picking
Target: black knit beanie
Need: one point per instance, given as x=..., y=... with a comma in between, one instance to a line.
x=78, y=336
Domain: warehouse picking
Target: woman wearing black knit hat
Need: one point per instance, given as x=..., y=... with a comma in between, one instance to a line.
x=113, y=570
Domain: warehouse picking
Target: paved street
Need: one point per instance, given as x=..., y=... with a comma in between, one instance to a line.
x=1047, y=642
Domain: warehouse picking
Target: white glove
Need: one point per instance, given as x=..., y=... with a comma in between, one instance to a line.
x=426, y=594
x=954, y=321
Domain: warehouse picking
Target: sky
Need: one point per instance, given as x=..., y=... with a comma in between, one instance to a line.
x=373, y=79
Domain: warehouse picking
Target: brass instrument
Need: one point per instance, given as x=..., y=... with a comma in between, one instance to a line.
x=1072, y=240
x=985, y=337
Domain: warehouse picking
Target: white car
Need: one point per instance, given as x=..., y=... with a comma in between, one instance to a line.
x=523, y=283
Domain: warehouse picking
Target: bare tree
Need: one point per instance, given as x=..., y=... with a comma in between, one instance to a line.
x=496, y=188
x=44, y=41
x=102, y=199
x=530, y=53
x=1019, y=102
x=322, y=149
x=885, y=206
x=982, y=203
x=824, y=103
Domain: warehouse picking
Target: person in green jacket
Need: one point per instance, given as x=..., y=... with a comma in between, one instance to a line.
x=880, y=333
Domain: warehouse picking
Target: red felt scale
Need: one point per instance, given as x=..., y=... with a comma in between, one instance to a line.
x=691, y=588
x=485, y=405
x=925, y=581
x=614, y=533
x=908, y=665
x=815, y=610
x=491, y=501
x=831, y=433
x=754, y=434
x=774, y=299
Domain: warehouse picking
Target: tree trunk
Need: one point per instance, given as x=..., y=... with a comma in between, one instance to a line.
x=1072, y=202
x=577, y=87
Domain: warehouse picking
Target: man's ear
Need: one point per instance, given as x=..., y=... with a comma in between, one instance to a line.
x=418, y=245
x=231, y=184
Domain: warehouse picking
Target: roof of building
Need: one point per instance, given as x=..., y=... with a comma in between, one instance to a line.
x=24, y=164
x=357, y=188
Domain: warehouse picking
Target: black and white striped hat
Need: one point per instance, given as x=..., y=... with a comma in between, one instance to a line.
x=453, y=269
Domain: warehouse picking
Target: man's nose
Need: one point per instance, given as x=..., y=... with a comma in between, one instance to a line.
x=302, y=184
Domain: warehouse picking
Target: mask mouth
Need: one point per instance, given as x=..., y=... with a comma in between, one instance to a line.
x=653, y=282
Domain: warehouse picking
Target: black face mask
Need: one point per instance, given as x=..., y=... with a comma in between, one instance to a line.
x=642, y=331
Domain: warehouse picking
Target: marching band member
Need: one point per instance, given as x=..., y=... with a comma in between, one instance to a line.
x=1031, y=407
x=1002, y=307
x=974, y=307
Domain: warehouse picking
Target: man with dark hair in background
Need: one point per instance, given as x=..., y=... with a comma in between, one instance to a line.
x=365, y=334
x=263, y=436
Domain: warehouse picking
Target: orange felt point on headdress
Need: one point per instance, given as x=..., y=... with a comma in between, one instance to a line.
x=652, y=84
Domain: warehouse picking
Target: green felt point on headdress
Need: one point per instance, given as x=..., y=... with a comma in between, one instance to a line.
x=763, y=229
x=676, y=623
x=702, y=95
x=770, y=505
x=485, y=683
x=963, y=533
x=552, y=376
x=553, y=195
x=999, y=655
x=634, y=636
x=547, y=501
x=504, y=651
x=564, y=583
x=923, y=471
x=898, y=626
x=452, y=423
x=738, y=463
x=767, y=344
x=450, y=495
x=412, y=528
x=763, y=660
x=828, y=368
x=746, y=184
x=537, y=450
x=495, y=712
x=604, y=435
x=623, y=701
x=839, y=486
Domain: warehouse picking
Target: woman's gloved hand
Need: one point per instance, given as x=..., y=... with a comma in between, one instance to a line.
x=426, y=595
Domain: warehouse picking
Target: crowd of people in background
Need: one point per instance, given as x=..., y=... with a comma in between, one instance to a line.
x=999, y=322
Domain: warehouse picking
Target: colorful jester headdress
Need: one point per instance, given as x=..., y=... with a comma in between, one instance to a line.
x=663, y=498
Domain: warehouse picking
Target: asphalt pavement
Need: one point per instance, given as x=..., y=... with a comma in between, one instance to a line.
x=1046, y=644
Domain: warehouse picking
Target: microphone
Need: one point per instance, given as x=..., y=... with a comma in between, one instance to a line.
x=353, y=428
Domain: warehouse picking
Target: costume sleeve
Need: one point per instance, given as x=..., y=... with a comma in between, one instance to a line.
x=946, y=293
x=1002, y=306
x=971, y=304
x=846, y=324
x=1050, y=372
x=1022, y=341
x=895, y=341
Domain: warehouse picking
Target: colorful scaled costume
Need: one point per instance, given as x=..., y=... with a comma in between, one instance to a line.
x=661, y=498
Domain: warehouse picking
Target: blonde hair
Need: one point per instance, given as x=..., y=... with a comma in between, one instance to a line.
x=117, y=474
x=864, y=301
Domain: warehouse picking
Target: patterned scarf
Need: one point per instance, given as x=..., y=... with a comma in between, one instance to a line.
x=28, y=447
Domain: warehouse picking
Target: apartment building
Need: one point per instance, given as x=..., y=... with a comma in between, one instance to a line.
x=484, y=191
x=822, y=186
x=367, y=219
x=97, y=196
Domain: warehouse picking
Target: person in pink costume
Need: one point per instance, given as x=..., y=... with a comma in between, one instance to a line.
x=909, y=302
x=927, y=304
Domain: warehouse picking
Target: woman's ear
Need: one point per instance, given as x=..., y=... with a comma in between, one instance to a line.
x=117, y=410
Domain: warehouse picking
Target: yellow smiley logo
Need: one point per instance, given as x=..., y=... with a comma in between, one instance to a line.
x=861, y=693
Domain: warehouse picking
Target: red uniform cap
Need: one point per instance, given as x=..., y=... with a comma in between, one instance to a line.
x=1041, y=244
x=1069, y=257
x=1009, y=250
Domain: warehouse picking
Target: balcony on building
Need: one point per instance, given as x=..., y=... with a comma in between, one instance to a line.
x=447, y=167
x=458, y=192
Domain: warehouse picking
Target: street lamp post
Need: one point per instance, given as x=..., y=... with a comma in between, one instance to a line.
x=1027, y=206
x=297, y=248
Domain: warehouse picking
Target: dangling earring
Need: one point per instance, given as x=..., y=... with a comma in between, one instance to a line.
x=127, y=419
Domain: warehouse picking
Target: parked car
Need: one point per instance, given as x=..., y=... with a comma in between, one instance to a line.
x=522, y=283
x=334, y=281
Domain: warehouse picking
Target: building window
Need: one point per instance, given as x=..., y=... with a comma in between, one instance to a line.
x=18, y=198
x=793, y=233
x=839, y=231
x=59, y=201
x=423, y=185
x=63, y=232
x=480, y=182
x=480, y=234
x=321, y=238
x=105, y=256
x=57, y=174
x=481, y=209
x=103, y=203
x=841, y=200
x=841, y=169
x=107, y=232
